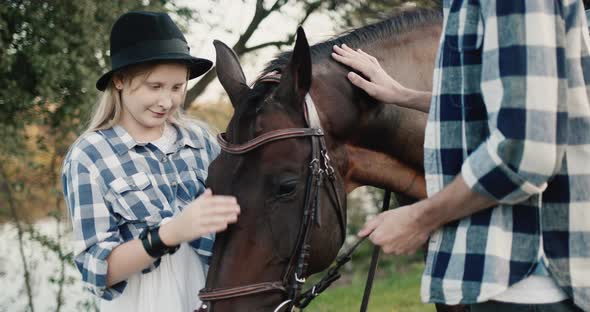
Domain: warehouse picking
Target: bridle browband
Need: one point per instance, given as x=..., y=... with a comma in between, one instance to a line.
x=320, y=168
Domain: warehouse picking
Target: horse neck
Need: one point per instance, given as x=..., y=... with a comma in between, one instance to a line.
x=391, y=129
x=409, y=57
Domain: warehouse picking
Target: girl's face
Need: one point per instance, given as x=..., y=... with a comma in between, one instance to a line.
x=149, y=101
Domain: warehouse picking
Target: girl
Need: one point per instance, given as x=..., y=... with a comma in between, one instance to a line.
x=134, y=181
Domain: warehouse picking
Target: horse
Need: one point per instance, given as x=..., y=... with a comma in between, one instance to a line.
x=301, y=138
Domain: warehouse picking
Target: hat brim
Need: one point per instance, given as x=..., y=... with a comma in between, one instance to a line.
x=197, y=67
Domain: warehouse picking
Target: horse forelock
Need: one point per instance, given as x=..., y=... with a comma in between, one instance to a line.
x=242, y=124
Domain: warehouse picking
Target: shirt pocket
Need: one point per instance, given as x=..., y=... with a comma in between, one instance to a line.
x=192, y=184
x=464, y=27
x=134, y=198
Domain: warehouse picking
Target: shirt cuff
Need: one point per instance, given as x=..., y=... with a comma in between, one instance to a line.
x=484, y=172
x=93, y=266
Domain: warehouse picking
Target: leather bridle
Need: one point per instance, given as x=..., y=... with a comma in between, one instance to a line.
x=320, y=168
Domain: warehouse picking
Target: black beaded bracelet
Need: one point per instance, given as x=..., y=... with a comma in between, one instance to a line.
x=156, y=248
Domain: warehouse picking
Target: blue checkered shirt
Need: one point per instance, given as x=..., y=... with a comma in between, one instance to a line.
x=510, y=113
x=115, y=187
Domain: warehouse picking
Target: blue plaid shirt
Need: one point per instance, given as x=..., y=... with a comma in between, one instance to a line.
x=114, y=188
x=510, y=113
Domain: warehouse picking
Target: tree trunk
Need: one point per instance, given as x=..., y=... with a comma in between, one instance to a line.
x=199, y=87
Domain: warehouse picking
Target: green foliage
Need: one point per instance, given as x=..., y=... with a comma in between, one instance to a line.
x=51, y=244
x=393, y=292
x=50, y=57
x=397, y=282
x=51, y=53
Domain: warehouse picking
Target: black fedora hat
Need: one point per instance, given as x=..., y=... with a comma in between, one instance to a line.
x=139, y=37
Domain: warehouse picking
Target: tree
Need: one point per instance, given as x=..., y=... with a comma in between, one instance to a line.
x=241, y=46
x=349, y=12
x=367, y=11
x=51, y=53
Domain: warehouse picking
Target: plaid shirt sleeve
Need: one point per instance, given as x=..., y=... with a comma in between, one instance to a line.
x=95, y=228
x=522, y=100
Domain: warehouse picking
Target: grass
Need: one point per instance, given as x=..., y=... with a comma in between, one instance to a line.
x=396, y=291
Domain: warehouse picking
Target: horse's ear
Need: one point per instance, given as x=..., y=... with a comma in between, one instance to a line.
x=230, y=72
x=296, y=78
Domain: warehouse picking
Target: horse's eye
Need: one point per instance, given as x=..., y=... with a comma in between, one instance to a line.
x=287, y=187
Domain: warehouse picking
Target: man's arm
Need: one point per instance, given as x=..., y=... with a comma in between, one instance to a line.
x=379, y=84
x=405, y=229
x=523, y=75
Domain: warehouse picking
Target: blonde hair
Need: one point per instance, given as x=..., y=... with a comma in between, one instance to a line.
x=107, y=111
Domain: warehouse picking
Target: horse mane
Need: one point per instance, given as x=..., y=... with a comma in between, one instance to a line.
x=400, y=22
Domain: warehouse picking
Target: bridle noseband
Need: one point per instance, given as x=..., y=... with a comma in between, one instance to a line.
x=320, y=168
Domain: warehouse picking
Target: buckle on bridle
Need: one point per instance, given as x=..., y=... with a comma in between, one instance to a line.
x=299, y=280
x=315, y=167
x=328, y=164
x=315, y=294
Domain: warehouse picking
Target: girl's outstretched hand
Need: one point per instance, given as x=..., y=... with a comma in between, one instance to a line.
x=207, y=214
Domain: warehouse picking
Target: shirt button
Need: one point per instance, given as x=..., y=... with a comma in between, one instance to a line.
x=164, y=159
x=174, y=184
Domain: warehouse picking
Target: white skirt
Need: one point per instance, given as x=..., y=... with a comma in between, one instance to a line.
x=172, y=286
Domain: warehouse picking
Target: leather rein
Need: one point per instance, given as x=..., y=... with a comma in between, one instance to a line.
x=320, y=168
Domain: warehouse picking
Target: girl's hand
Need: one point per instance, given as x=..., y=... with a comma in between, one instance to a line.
x=206, y=214
x=380, y=85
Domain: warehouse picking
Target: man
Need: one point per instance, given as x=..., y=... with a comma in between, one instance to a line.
x=507, y=157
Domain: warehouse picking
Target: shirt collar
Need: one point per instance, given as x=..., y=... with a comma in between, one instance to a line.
x=119, y=139
x=188, y=138
x=122, y=141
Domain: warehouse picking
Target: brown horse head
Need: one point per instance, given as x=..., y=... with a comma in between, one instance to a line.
x=273, y=185
x=270, y=168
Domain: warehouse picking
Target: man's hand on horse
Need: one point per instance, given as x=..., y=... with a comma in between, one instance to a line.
x=398, y=231
x=377, y=82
